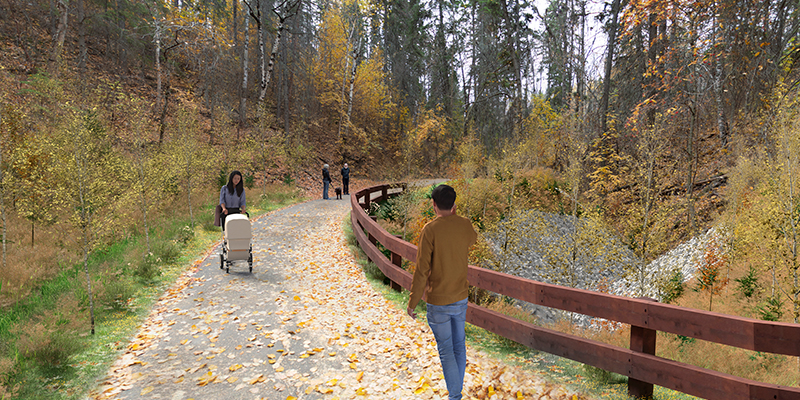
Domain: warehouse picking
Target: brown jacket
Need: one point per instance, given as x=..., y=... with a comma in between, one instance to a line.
x=442, y=258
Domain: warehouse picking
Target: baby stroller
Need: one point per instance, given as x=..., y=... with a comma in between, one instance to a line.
x=236, y=242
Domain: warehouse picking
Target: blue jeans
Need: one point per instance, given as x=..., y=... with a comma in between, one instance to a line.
x=447, y=324
x=325, y=185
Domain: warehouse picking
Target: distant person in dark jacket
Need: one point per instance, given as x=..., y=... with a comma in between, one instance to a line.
x=346, y=179
x=231, y=197
x=326, y=181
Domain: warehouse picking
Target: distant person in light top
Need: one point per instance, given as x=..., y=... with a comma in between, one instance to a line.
x=326, y=181
x=231, y=197
x=345, y=179
x=441, y=273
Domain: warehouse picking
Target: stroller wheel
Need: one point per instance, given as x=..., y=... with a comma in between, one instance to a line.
x=221, y=261
x=228, y=269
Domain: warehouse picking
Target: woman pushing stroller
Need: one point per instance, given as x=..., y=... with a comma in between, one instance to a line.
x=232, y=199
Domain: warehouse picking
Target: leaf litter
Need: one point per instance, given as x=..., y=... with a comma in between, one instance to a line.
x=355, y=343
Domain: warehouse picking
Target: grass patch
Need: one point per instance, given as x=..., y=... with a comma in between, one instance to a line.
x=46, y=351
x=593, y=381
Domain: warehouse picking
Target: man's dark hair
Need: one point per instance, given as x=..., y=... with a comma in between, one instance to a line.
x=444, y=196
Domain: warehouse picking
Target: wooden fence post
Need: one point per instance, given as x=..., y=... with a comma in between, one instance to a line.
x=372, y=239
x=643, y=340
x=398, y=261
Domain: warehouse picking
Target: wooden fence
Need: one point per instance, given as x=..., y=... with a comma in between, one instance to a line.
x=645, y=316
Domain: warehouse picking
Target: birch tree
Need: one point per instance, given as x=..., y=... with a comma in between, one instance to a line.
x=87, y=172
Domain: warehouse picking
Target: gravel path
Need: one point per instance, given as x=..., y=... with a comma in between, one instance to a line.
x=304, y=325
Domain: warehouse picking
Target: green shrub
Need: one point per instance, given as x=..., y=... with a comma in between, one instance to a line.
x=287, y=179
x=167, y=251
x=184, y=235
x=149, y=267
x=673, y=288
x=772, y=309
x=249, y=181
x=748, y=284
x=116, y=292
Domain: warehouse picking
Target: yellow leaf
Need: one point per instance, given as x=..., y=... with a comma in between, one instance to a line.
x=352, y=365
x=259, y=378
x=235, y=367
x=296, y=298
x=359, y=376
x=325, y=390
x=232, y=379
x=291, y=398
x=147, y=390
x=279, y=369
x=361, y=391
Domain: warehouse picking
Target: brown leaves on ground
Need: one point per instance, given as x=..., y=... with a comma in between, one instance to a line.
x=355, y=343
x=389, y=355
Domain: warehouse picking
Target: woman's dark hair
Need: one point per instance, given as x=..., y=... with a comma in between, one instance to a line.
x=239, y=186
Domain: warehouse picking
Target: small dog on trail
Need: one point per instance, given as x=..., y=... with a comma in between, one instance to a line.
x=338, y=191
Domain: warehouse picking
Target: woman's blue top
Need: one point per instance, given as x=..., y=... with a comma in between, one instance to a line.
x=231, y=200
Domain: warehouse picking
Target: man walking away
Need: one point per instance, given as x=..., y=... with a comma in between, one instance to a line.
x=346, y=179
x=442, y=258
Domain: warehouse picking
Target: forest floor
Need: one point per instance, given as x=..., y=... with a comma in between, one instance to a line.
x=306, y=324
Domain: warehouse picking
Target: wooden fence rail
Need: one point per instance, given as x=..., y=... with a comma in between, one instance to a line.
x=645, y=316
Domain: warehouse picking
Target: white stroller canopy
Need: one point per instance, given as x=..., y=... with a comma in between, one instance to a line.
x=237, y=226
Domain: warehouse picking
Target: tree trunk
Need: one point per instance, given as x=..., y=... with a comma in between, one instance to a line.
x=88, y=281
x=691, y=172
x=262, y=51
x=354, y=57
x=54, y=63
x=121, y=49
x=81, y=43
x=235, y=24
x=159, y=94
x=163, y=120
x=778, y=40
x=143, y=197
x=53, y=18
x=722, y=123
x=81, y=162
x=266, y=74
x=3, y=209
x=245, y=60
x=189, y=157
x=612, y=41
